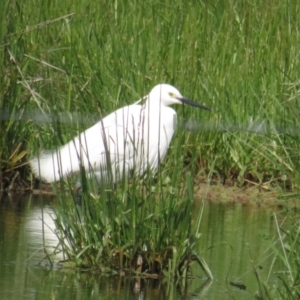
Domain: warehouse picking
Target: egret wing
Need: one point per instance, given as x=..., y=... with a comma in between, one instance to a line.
x=110, y=145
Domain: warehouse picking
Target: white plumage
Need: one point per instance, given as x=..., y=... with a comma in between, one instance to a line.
x=131, y=140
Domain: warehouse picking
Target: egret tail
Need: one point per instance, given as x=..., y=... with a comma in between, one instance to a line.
x=51, y=166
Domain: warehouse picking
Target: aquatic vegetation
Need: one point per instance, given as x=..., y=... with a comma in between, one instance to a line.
x=287, y=254
x=135, y=229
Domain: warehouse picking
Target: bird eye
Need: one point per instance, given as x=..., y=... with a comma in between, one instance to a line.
x=171, y=94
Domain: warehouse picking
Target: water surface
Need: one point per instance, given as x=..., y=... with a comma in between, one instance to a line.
x=234, y=242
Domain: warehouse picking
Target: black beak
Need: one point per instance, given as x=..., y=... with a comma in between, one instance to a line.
x=192, y=103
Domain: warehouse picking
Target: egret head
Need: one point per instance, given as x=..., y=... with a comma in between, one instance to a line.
x=168, y=95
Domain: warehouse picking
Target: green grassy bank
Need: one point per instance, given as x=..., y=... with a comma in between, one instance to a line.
x=67, y=64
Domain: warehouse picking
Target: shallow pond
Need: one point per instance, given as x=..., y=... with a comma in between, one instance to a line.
x=234, y=241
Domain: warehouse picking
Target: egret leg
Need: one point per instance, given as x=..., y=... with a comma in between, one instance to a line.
x=78, y=196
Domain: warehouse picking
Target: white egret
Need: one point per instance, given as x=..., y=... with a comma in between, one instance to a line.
x=131, y=140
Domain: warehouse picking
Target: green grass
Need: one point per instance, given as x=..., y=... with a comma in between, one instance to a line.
x=286, y=253
x=240, y=58
x=90, y=58
x=131, y=230
x=66, y=64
